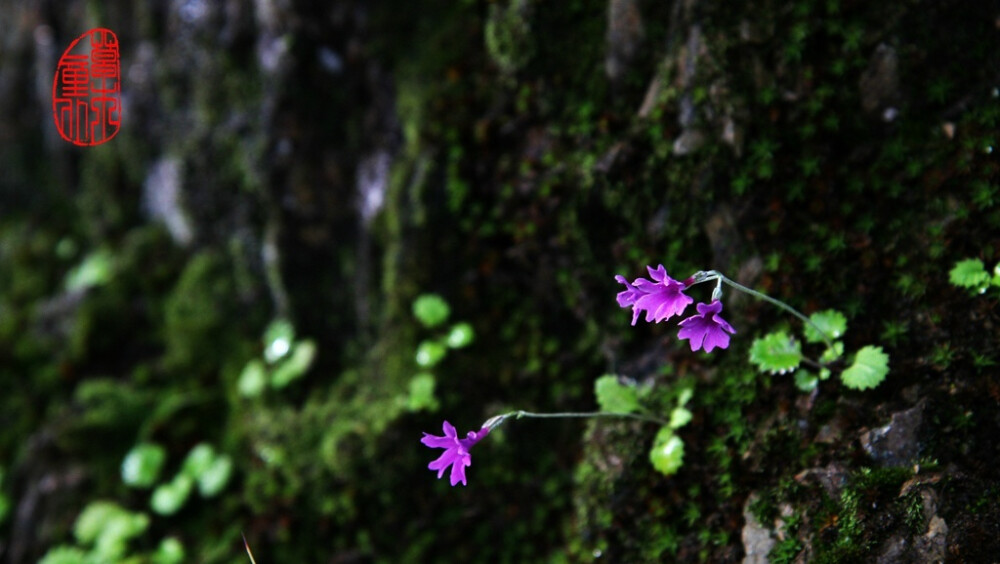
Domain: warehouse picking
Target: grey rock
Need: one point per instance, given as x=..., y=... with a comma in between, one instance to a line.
x=757, y=539
x=896, y=444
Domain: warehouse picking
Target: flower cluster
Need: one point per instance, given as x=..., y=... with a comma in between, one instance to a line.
x=663, y=297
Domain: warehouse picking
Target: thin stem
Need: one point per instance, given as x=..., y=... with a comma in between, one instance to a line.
x=812, y=362
x=772, y=301
x=499, y=419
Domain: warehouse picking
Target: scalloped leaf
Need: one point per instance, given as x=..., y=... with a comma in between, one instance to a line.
x=969, y=273
x=776, y=352
x=870, y=367
x=615, y=397
x=667, y=454
x=831, y=322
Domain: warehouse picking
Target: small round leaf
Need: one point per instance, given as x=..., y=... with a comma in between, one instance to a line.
x=461, y=335
x=431, y=310
x=142, y=465
x=430, y=353
x=667, y=454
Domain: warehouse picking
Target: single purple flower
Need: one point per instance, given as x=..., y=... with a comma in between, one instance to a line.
x=456, y=452
x=706, y=329
x=661, y=298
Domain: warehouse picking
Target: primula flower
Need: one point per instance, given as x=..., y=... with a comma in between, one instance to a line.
x=706, y=329
x=456, y=452
x=661, y=298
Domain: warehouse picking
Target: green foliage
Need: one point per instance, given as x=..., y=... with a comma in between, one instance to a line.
x=253, y=379
x=4, y=502
x=294, y=366
x=421, y=396
x=289, y=360
x=776, y=352
x=169, y=551
x=429, y=353
x=831, y=322
x=278, y=339
x=96, y=269
x=870, y=367
x=679, y=417
x=971, y=273
x=168, y=498
x=460, y=335
x=106, y=528
x=142, y=465
x=431, y=310
x=615, y=397
x=667, y=454
x=202, y=466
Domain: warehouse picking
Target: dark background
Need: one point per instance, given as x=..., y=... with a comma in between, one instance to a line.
x=832, y=153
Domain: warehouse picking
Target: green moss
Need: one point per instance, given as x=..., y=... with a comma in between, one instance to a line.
x=197, y=313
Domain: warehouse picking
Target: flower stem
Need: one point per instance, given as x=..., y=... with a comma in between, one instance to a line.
x=498, y=420
x=718, y=275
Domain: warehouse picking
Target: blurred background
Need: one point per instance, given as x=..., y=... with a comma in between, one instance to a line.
x=326, y=227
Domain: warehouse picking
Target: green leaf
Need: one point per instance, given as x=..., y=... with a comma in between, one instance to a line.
x=461, y=335
x=170, y=497
x=421, y=394
x=108, y=527
x=278, y=339
x=830, y=355
x=776, y=353
x=95, y=270
x=295, y=366
x=870, y=367
x=253, y=379
x=831, y=322
x=969, y=273
x=4, y=508
x=996, y=275
x=198, y=460
x=431, y=310
x=170, y=551
x=679, y=417
x=430, y=353
x=805, y=381
x=142, y=465
x=685, y=396
x=65, y=555
x=667, y=454
x=215, y=477
x=615, y=397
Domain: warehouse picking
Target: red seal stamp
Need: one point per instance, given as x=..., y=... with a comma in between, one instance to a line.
x=86, y=91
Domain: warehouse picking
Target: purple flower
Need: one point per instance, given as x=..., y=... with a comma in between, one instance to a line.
x=706, y=329
x=456, y=452
x=661, y=298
